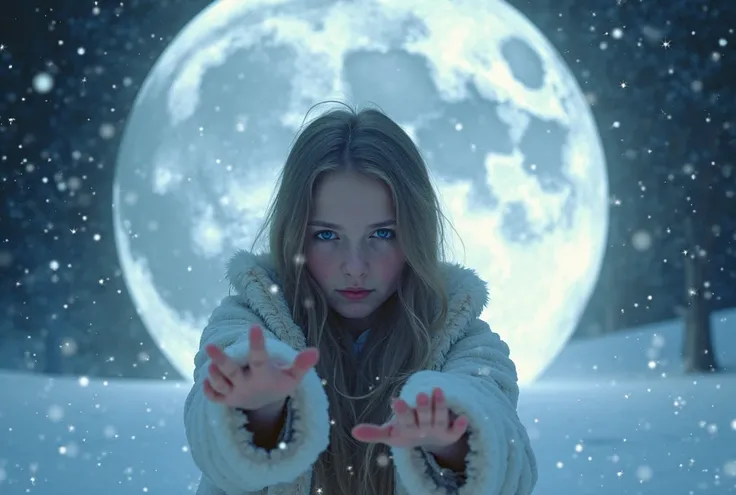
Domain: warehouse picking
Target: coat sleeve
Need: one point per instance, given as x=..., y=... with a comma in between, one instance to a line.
x=220, y=445
x=479, y=380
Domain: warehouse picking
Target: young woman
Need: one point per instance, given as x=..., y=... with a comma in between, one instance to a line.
x=351, y=358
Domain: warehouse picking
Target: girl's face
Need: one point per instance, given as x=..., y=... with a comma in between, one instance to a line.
x=351, y=245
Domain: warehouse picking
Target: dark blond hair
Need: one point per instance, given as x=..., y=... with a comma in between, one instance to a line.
x=360, y=388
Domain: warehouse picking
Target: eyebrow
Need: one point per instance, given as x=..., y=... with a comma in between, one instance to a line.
x=330, y=225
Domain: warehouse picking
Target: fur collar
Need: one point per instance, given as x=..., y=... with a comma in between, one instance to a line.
x=254, y=277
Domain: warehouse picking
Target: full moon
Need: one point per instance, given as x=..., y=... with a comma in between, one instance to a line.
x=507, y=133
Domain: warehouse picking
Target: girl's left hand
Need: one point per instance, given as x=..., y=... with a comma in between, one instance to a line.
x=430, y=425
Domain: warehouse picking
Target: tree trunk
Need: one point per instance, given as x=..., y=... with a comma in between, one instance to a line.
x=697, y=345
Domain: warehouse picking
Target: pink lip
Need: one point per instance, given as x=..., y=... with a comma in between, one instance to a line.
x=354, y=295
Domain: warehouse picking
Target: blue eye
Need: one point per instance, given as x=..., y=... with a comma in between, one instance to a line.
x=385, y=234
x=321, y=235
x=330, y=235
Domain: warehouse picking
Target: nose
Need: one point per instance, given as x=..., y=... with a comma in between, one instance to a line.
x=355, y=263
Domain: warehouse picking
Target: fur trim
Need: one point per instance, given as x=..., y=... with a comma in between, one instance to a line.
x=242, y=262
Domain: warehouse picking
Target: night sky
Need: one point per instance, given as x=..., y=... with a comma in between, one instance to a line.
x=661, y=77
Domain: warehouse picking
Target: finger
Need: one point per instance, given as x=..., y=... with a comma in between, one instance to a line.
x=303, y=362
x=211, y=393
x=440, y=413
x=227, y=366
x=404, y=414
x=372, y=433
x=219, y=381
x=460, y=426
x=424, y=411
x=257, y=355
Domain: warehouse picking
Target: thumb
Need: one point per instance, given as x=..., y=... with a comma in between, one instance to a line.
x=303, y=362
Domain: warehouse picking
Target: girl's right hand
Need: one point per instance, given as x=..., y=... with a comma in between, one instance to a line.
x=263, y=382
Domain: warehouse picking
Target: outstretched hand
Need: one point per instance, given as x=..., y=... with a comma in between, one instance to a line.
x=264, y=381
x=430, y=425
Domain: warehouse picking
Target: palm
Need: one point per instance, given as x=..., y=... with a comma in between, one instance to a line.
x=431, y=425
x=264, y=381
x=253, y=390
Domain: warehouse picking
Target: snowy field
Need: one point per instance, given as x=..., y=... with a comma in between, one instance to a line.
x=613, y=415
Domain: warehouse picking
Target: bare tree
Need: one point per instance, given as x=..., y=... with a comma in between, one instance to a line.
x=697, y=215
x=697, y=345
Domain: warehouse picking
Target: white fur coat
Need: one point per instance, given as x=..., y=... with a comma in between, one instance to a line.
x=470, y=363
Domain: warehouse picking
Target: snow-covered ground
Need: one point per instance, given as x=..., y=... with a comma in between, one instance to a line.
x=613, y=415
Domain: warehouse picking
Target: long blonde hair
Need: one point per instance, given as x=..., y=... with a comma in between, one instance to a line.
x=360, y=388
